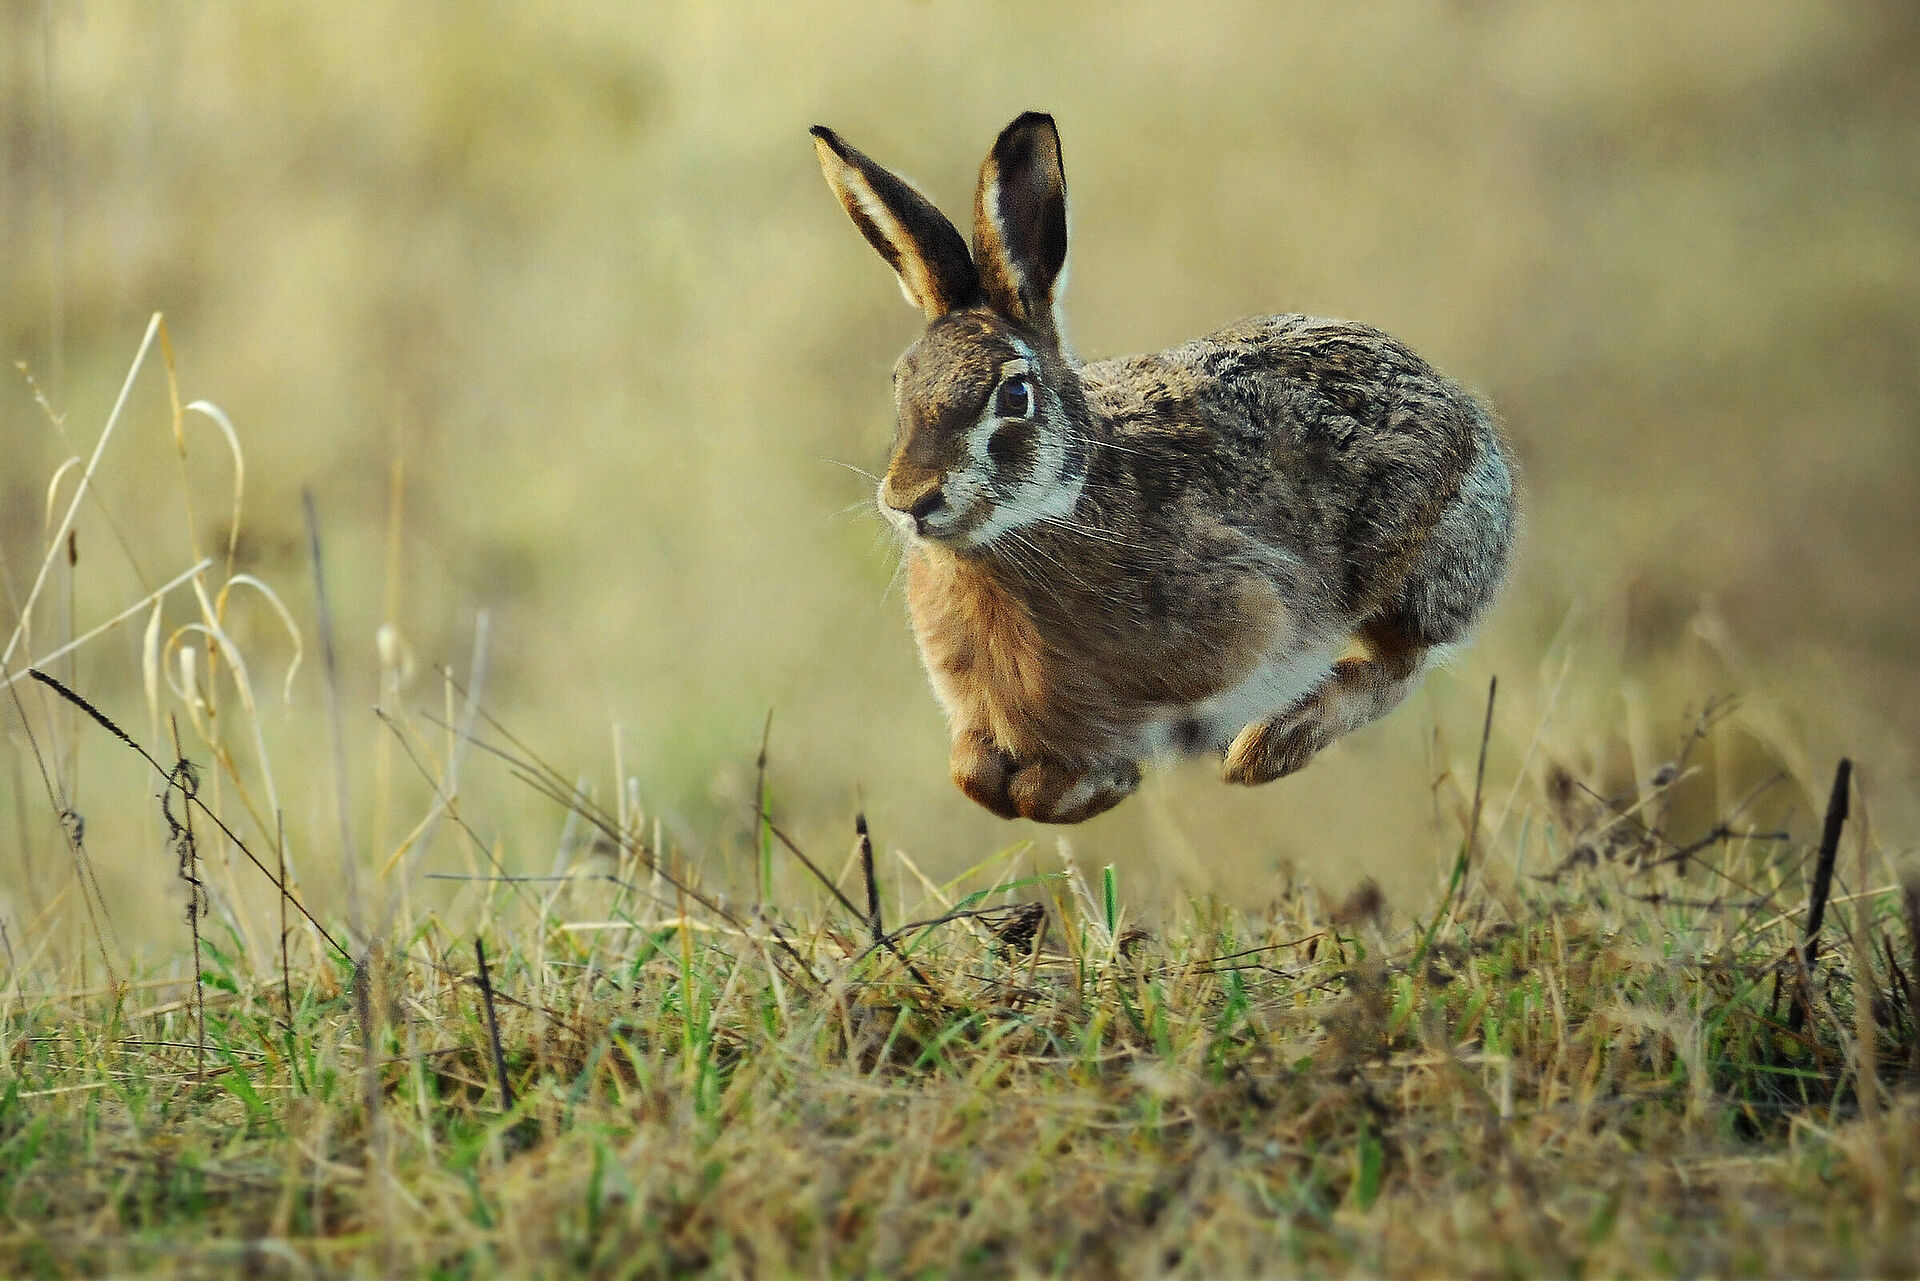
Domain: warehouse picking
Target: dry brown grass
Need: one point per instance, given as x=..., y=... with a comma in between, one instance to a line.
x=1597, y=1054
x=1588, y=1074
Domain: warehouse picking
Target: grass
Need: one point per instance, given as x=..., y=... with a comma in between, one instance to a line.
x=1596, y=1053
x=1587, y=1075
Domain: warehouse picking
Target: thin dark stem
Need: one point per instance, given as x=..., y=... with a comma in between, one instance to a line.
x=286, y=969
x=1822, y=885
x=760, y=805
x=493, y=1028
x=847, y=903
x=184, y=779
x=1480, y=771
x=1464, y=861
x=873, y=882
x=1829, y=855
x=195, y=801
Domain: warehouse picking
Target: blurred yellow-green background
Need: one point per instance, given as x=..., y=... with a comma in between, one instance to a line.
x=564, y=279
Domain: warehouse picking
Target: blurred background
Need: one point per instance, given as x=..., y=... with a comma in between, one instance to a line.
x=550, y=308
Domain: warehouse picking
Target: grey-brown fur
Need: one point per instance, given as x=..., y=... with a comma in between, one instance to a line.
x=1331, y=440
x=1247, y=544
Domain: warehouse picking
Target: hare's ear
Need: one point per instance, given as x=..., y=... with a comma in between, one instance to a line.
x=1020, y=222
x=922, y=247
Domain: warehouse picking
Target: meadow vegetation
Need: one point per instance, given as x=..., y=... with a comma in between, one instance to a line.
x=1641, y=1031
x=533, y=336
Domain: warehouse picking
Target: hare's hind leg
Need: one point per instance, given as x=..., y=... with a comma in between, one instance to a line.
x=1363, y=687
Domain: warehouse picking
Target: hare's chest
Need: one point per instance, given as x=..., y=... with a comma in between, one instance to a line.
x=988, y=663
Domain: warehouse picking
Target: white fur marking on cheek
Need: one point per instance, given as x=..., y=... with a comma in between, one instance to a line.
x=1044, y=496
x=963, y=490
x=979, y=435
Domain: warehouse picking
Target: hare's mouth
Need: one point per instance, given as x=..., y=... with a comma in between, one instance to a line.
x=944, y=526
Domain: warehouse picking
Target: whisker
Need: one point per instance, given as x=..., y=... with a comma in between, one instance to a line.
x=1017, y=539
x=858, y=471
x=1097, y=535
x=893, y=580
x=899, y=568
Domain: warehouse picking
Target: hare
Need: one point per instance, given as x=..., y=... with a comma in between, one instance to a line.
x=1248, y=545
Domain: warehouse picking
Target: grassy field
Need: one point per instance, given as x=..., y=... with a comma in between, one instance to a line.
x=533, y=334
x=1602, y=1053
x=1659, y=1028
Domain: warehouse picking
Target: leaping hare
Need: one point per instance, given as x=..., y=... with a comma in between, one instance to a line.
x=1248, y=545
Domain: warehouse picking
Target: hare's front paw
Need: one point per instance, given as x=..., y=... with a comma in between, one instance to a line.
x=982, y=770
x=1049, y=792
x=1045, y=791
x=1266, y=750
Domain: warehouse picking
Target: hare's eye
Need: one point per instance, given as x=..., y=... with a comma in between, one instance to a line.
x=1013, y=400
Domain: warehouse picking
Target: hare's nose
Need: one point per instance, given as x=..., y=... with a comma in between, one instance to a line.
x=925, y=503
x=918, y=505
x=914, y=504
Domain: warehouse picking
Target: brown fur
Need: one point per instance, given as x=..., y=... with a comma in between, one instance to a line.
x=1030, y=674
x=1165, y=551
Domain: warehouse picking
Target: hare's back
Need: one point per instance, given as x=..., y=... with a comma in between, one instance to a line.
x=1340, y=444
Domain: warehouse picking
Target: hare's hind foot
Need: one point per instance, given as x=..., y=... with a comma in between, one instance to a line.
x=1046, y=791
x=1270, y=749
x=1363, y=686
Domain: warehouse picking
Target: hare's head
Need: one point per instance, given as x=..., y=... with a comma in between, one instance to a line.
x=990, y=433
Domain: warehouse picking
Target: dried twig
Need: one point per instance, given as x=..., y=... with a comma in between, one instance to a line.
x=762, y=840
x=186, y=781
x=277, y=882
x=873, y=882
x=493, y=1028
x=286, y=968
x=883, y=940
x=1480, y=772
x=1457, y=880
x=1808, y=952
x=1910, y=897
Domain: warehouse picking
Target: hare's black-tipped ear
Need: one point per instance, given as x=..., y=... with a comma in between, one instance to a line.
x=1020, y=222
x=923, y=248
